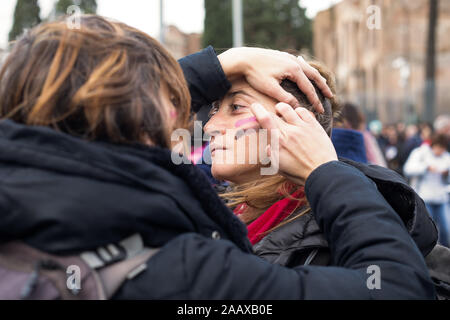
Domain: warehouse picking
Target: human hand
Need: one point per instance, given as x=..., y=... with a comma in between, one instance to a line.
x=264, y=69
x=303, y=145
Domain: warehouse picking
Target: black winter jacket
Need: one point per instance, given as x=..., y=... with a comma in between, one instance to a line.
x=64, y=195
x=302, y=242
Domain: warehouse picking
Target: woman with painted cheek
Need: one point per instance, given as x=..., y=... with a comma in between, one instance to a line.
x=279, y=219
x=234, y=134
x=261, y=201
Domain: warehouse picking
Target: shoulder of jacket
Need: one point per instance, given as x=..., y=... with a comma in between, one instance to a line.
x=301, y=233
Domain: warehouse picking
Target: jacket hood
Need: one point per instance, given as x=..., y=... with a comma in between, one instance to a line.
x=62, y=193
x=349, y=144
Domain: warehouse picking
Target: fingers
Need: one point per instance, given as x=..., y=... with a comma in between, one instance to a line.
x=307, y=116
x=265, y=118
x=305, y=85
x=288, y=114
x=274, y=89
x=314, y=74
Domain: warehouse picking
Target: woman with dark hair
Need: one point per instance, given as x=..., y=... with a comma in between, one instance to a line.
x=86, y=116
x=347, y=138
x=277, y=213
x=428, y=167
x=353, y=140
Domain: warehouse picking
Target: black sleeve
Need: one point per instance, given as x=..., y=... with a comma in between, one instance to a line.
x=362, y=230
x=205, y=77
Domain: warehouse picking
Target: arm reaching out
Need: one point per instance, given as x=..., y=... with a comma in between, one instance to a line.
x=264, y=70
x=361, y=227
x=373, y=256
x=208, y=75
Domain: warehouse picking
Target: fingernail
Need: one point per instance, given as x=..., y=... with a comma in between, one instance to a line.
x=319, y=108
x=268, y=151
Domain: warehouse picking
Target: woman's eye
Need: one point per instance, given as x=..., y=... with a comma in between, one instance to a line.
x=236, y=107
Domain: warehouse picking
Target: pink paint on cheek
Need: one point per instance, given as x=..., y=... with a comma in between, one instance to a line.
x=173, y=114
x=244, y=121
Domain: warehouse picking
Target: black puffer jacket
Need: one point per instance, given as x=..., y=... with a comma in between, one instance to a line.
x=301, y=241
x=63, y=195
x=292, y=244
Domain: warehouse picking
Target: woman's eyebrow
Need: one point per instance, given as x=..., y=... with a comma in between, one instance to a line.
x=232, y=94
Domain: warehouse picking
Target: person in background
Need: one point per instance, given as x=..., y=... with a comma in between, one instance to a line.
x=400, y=127
x=390, y=142
x=346, y=137
x=349, y=126
x=381, y=135
x=426, y=132
x=428, y=166
x=442, y=126
x=375, y=127
x=371, y=138
x=412, y=139
x=373, y=151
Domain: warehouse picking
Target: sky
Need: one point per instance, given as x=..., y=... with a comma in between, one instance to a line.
x=187, y=15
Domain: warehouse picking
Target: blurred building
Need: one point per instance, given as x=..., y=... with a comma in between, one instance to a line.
x=383, y=69
x=2, y=55
x=181, y=44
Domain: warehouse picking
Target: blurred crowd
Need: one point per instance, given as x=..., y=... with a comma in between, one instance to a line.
x=419, y=152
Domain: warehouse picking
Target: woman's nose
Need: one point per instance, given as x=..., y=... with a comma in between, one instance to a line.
x=214, y=127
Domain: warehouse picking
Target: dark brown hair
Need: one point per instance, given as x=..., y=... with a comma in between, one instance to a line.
x=439, y=140
x=101, y=81
x=350, y=115
x=331, y=106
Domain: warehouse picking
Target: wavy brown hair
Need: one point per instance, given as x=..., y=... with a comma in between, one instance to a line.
x=102, y=81
x=259, y=195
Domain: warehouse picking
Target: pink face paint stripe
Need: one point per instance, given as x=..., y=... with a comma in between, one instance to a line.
x=244, y=121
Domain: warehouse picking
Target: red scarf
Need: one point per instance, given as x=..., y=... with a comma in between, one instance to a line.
x=272, y=216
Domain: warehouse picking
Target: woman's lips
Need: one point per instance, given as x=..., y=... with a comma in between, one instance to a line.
x=215, y=148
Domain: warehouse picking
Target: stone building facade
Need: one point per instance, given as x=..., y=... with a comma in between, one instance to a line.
x=377, y=49
x=3, y=54
x=181, y=44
